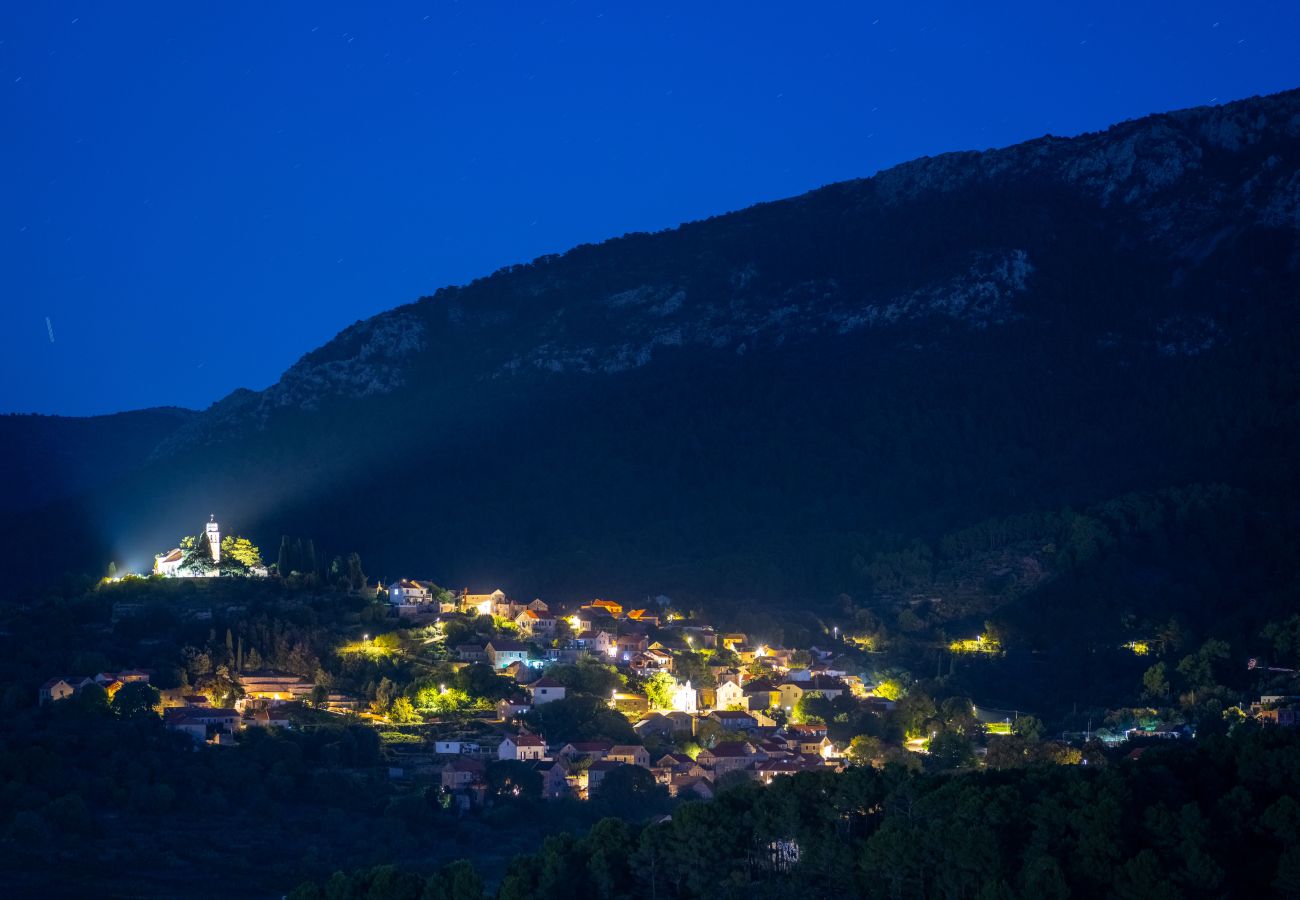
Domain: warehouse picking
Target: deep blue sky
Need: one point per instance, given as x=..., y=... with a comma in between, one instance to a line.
x=197, y=194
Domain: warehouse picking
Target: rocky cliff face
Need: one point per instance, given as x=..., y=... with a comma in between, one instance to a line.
x=1178, y=184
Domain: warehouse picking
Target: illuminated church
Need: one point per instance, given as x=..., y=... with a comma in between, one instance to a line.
x=170, y=563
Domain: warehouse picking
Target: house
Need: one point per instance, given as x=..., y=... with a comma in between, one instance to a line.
x=727, y=756
x=494, y=603
x=697, y=636
x=615, y=610
x=790, y=694
x=455, y=748
x=761, y=694
x=809, y=740
x=630, y=703
x=404, y=592
x=654, y=725
x=662, y=658
x=734, y=640
x=730, y=695
x=530, y=621
x=266, y=717
x=341, y=703
x=593, y=750
x=460, y=773
x=1282, y=717
x=539, y=606
x=734, y=719
x=766, y=770
x=596, y=772
x=631, y=754
x=644, y=617
x=695, y=786
x=472, y=653
x=673, y=763
x=828, y=687
x=643, y=664
x=126, y=676
x=61, y=687
x=501, y=653
x=628, y=644
x=605, y=643
x=202, y=724
x=557, y=784
x=546, y=689
x=513, y=707
x=277, y=687
x=522, y=747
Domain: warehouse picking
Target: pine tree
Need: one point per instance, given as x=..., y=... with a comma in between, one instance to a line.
x=356, y=577
x=283, y=564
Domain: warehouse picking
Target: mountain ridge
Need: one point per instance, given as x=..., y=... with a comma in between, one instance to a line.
x=747, y=404
x=1152, y=153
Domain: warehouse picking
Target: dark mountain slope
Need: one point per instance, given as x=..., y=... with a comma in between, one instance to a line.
x=51, y=457
x=758, y=404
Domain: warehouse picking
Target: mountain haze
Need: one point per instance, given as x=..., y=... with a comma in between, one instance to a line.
x=767, y=403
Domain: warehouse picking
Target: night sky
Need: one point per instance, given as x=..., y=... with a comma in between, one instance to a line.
x=194, y=195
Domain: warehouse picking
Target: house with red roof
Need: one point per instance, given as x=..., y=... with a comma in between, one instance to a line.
x=522, y=747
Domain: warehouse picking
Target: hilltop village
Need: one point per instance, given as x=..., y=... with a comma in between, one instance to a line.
x=572, y=695
x=481, y=696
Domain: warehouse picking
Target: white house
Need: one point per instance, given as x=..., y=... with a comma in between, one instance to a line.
x=404, y=592
x=501, y=653
x=631, y=754
x=546, y=689
x=730, y=695
x=606, y=644
x=61, y=687
x=522, y=747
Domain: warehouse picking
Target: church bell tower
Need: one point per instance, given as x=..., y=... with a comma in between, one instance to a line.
x=214, y=539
